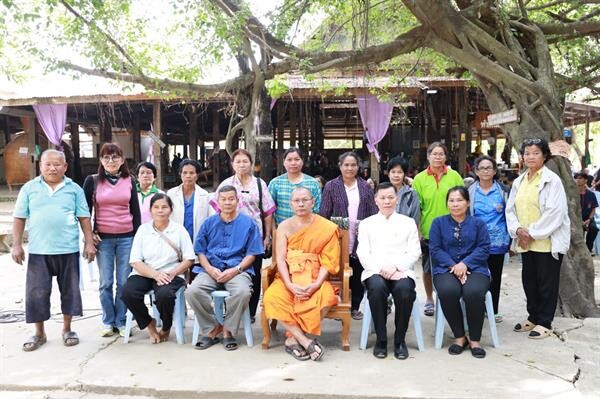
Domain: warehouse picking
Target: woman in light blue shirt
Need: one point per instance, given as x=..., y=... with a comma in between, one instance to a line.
x=488, y=203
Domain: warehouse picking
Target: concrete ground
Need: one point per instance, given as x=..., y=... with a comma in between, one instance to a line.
x=566, y=365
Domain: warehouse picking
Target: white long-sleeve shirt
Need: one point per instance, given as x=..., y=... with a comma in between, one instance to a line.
x=388, y=241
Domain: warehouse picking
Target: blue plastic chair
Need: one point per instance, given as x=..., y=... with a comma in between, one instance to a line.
x=440, y=320
x=178, y=316
x=367, y=324
x=219, y=306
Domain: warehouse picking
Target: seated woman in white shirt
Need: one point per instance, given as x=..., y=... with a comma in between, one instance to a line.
x=162, y=251
x=388, y=247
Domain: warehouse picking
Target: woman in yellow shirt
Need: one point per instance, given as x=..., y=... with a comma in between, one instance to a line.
x=537, y=220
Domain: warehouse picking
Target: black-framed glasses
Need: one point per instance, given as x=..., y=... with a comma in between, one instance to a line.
x=485, y=168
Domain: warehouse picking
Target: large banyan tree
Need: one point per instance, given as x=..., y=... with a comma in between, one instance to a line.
x=523, y=54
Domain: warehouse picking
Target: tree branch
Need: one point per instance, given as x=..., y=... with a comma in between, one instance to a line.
x=585, y=28
x=257, y=32
x=557, y=2
x=109, y=38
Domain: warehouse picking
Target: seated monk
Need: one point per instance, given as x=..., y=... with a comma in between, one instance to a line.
x=300, y=296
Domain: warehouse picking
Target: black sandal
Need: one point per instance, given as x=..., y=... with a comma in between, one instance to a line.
x=206, y=342
x=456, y=349
x=312, y=348
x=479, y=353
x=297, y=352
x=230, y=344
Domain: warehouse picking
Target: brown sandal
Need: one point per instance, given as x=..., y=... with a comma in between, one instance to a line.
x=524, y=326
x=33, y=342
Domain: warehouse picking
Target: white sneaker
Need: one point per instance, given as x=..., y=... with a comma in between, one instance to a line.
x=107, y=331
x=121, y=331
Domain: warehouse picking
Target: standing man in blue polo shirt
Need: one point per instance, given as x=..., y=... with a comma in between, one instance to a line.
x=226, y=246
x=52, y=206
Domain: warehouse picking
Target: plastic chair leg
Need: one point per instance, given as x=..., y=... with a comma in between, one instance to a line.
x=179, y=316
x=489, y=307
x=128, y=322
x=440, y=321
x=416, y=318
x=196, y=331
x=366, y=325
x=248, y=327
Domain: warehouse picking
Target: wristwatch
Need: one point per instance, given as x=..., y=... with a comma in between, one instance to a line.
x=240, y=270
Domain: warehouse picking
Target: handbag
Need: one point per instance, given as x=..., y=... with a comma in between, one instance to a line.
x=171, y=244
x=268, y=251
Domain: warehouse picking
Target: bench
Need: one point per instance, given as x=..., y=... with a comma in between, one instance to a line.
x=340, y=281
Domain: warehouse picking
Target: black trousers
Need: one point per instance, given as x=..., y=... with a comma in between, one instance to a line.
x=357, y=289
x=257, y=266
x=540, y=276
x=590, y=236
x=403, y=292
x=136, y=288
x=450, y=290
x=496, y=264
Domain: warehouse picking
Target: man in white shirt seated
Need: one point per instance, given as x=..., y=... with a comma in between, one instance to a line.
x=388, y=247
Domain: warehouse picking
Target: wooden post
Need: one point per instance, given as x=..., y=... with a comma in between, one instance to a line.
x=293, y=123
x=280, y=133
x=193, y=133
x=202, y=137
x=156, y=150
x=216, y=163
x=586, y=145
x=105, y=127
x=136, y=139
x=374, y=169
x=77, y=175
x=6, y=131
x=463, y=132
x=31, y=139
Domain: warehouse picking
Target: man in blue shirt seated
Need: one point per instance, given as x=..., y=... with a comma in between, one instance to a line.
x=226, y=246
x=53, y=207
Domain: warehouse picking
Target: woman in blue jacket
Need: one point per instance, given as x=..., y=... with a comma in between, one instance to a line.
x=460, y=245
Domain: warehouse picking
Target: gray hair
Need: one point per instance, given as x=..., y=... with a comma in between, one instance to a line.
x=54, y=152
x=301, y=188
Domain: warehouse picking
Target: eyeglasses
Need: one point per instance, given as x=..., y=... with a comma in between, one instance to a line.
x=485, y=168
x=113, y=158
x=302, y=200
x=532, y=141
x=457, y=231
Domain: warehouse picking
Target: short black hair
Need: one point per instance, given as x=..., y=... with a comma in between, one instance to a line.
x=161, y=196
x=582, y=175
x=145, y=164
x=397, y=161
x=292, y=150
x=539, y=143
x=192, y=162
x=462, y=190
x=227, y=189
x=384, y=186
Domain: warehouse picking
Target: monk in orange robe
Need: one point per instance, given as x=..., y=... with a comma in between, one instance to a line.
x=300, y=296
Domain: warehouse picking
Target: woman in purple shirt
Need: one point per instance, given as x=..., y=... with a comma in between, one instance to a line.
x=350, y=197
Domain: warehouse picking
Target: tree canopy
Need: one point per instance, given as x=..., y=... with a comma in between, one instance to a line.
x=523, y=54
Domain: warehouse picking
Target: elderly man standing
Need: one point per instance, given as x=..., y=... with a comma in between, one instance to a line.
x=307, y=253
x=52, y=205
x=388, y=248
x=226, y=246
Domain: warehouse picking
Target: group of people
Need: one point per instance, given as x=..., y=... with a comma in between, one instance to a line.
x=144, y=239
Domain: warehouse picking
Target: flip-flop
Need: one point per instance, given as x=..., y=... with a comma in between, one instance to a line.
x=312, y=348
x=524, y=326
x=539, y=332
x=33, y=343
x=70, y=338
x=206, y=342
x=230, y=344
x=428, y=309
x=297, y=352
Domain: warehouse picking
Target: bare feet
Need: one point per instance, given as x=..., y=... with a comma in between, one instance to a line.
x=215, y=331
x=164, y=335
x=154, y=335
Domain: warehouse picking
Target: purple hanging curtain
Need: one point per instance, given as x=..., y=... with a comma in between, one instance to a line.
x=52, y=118
x=375, y=117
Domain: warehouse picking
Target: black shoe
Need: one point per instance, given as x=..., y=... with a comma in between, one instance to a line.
x=252, y=319
x=380, y=350
x=401, y=351
x=456, y=349
x=479, y=353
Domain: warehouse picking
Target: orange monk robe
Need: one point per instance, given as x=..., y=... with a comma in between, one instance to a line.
x=309, y=249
